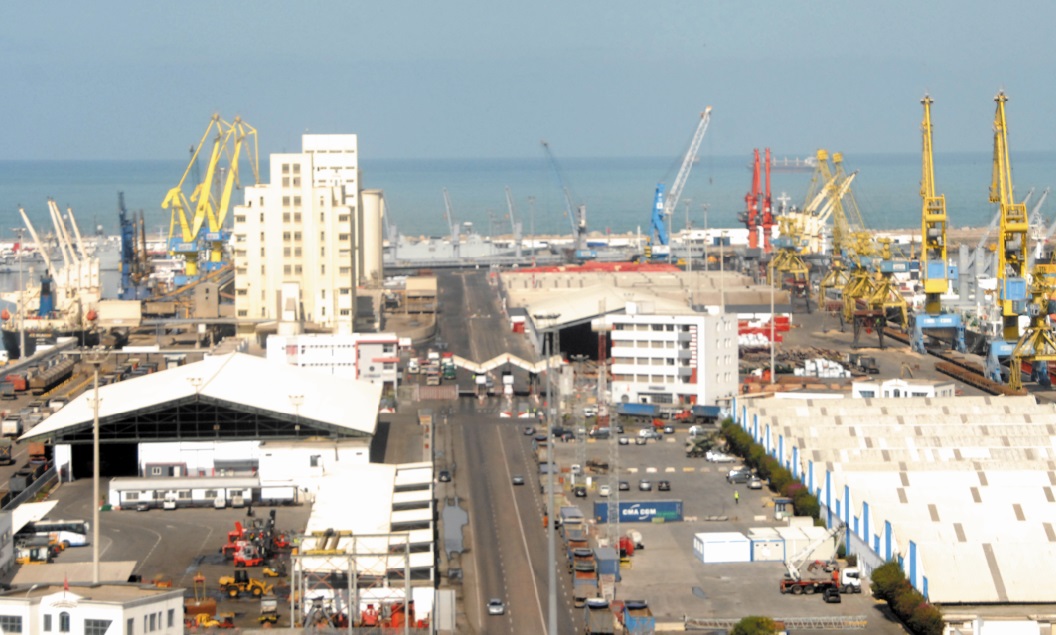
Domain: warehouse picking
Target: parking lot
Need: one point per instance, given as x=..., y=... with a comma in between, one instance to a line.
x=665, y=572
x=172, y=546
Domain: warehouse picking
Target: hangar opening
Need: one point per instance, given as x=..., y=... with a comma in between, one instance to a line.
x=115, y=459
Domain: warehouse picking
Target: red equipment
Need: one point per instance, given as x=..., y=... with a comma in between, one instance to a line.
x=751, y=202
x=768, y=208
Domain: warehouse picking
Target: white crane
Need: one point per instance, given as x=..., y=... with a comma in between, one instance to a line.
x=675, y=193
x=455, y=240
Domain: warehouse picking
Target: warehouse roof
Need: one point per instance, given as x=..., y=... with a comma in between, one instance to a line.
x=970, y=480
x=284, y=397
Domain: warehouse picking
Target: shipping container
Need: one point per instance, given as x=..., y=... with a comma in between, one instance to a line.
x=641, y=511
x=637, y=409
x=722, y=547
x=608, y=562
x=767, y=544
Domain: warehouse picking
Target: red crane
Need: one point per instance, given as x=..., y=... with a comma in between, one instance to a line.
x=768, y=208
x=751, y=202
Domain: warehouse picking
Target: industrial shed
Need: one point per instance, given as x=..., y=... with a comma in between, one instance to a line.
x=962, y=491
x=198, y=409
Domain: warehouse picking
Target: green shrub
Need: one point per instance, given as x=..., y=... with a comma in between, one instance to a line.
x=926, y=620
x=754, y=625
x=789, y=489
x=906, y=601
x=886, y=579
x=806, y=505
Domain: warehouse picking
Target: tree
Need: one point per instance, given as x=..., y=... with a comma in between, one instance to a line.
x=755, y=625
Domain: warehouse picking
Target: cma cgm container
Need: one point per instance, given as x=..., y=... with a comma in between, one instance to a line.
x=641, y=511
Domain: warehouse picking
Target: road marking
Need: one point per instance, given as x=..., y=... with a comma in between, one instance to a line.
x=520, y=524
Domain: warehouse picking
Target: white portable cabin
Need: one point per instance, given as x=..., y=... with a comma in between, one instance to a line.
x=187, y=492
x=722, y=547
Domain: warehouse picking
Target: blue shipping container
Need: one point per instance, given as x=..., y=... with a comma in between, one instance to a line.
x=641, y=511
x=637, y=409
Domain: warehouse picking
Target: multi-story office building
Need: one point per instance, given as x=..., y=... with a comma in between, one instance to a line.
x=302, y=228
x=676, y=360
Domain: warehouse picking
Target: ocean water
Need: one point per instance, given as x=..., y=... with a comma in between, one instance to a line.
x=618, y=192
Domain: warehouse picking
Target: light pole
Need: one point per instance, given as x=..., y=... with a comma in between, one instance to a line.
x=773, y=369
x=707, y=265
x=21, y=299
x=531, y=241
x=96, y=363
x=551, y=567
x=688, y=243
x=722, y=271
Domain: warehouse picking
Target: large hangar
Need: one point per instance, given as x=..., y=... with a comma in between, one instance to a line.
x=961, y=491
x=213, y=414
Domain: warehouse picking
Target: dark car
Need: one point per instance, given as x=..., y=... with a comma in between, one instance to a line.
x=580, y=491
x=664, y=486
x=599, y=433
x=529, y=431
x=739, y=477
x=518, y=479
x=624, y=486
x=831, y=595
x=444, y=476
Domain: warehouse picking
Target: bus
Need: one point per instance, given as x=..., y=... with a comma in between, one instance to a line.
x=68, y=533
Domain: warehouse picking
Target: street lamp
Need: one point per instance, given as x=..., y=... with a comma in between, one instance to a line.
x=773, y=370
x=551, y=567
x=21, y=299
x=722, y=271
x=95, y=362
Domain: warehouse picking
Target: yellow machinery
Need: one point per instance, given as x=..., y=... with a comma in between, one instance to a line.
x=934, y=266
x=233, y=586
x=1038, y=344
x=1011, y=247
x=787, y=268
x=210, y=211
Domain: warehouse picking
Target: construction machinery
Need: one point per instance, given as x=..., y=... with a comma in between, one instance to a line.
x=806, y=574
x=204, y=231
x=934, y=265
x=269, y=610
x=248, y=554
x=664, y=206
x=221, y=620
x=577, y=213
x=234, y=586
x=1011, y=248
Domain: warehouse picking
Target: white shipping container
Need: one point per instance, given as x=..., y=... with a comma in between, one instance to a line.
x=722, y=547
x=795, y=540
x=768, y=550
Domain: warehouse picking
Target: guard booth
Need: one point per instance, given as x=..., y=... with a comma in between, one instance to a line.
x=783, y=508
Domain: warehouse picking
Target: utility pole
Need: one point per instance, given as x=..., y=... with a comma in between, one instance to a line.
x=687, y=242
x=551, y=565
x=21, y=298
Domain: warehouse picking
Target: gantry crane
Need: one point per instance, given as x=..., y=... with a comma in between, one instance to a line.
x=664, y=206
x=934, y=265
x=787, y=267
x=768, y=210
x=456, y=240
x=186, y=238
x=1011, y=247
x=750, y=215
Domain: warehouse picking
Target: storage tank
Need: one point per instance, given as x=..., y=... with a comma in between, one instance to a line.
x=371, y=236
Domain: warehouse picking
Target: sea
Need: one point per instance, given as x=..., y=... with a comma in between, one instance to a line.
x=617, y=192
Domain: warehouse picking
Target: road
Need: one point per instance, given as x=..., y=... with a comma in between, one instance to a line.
x=506, y=540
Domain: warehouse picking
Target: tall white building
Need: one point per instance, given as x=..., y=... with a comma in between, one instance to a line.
x=302, y=228
x=678, y=360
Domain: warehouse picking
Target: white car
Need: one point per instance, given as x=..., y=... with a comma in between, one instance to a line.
x=496, y=607
x=590, y=411
x=718, y=457
x=604, y=491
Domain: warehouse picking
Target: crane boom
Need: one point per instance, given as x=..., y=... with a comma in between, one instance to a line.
x=577, y=214
x=675, y=193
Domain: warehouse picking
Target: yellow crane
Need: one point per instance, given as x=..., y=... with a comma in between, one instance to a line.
x=934, y=264
x=185, y=234
x=1011, y=246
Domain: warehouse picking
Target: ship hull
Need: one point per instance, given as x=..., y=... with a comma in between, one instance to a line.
x=42, y=338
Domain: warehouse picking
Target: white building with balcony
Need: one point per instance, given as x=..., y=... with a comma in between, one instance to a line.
x=101, y=609
x=673, y=359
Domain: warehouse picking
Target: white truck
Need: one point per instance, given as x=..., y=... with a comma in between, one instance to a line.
x=11, y=426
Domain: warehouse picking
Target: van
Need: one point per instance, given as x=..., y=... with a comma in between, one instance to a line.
x=412, y=366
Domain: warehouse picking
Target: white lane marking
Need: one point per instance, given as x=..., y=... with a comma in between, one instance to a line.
x=520, y=524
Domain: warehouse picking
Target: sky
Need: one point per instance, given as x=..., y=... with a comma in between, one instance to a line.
x=421, y=79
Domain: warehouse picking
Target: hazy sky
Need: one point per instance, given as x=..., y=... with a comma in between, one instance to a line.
x=461, y=78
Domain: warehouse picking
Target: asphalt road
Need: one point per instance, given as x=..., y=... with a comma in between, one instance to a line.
x=507, y=548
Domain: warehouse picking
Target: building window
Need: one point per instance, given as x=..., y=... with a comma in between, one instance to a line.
x=344, y=237
x=285, y=252
x=343, y=218
x=297, y=199
x=296, y=217
x=296, y=168
x=285, y=217
x=285, y=235
x=285, y=201
x=47, y=623
x=96, y=627
x=298, y=270
x=64, y=622
x=155, y=471
x=286, y=269
x=153, y=622
x=345, y=271
x=130, y=626
x=297, y=236
x=172, y=618
x=285, y=168
x=11, y=623
x=296, y=252
x=345, y=312
x=243, y=313
x=314, y=460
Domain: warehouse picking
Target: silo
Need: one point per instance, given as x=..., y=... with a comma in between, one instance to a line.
x=371, y=236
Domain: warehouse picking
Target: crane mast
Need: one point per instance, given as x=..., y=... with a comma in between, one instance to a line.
x=1012, y=241
x=577, y=214
x=933, y=228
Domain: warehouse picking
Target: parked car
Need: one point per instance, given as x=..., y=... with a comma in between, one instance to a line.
x=590, y=411
x=576, y=468
x=604, y=491
x=444, y=476
x=619, y=428
x=496, y=607
x=142, y=506
x=518, y=479
x=640, y=440
x=645, y=485
x=719, y=457
x=755, y=483
x=739, y=477
x=696, y=430
x=664, y=486
x=600, y=433
x=669, y=429
x=648, y=433
x=831, y=595
x=529, y=431
x=624, y=486
x=580, y=491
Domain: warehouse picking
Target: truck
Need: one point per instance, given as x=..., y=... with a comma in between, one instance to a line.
x=5, y=452
x=7, y=390
x=447, y=365
x=698, y=447
x=598, y=617
x=11, y=426
x=802, y=578
x=580, y=556
x=638, y=617
x=704, y=414
x=647, y=410
x=862, y=363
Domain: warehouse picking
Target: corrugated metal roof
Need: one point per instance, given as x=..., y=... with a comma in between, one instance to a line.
x=235, y=378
